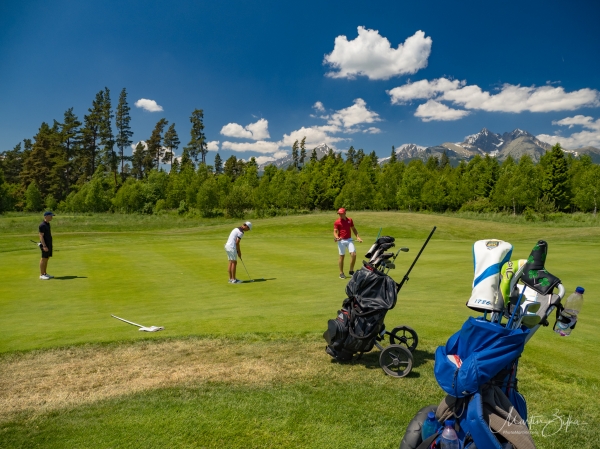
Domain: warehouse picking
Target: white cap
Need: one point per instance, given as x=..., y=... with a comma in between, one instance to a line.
x=249, y=225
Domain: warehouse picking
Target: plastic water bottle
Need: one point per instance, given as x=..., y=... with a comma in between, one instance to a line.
x=429, y=426
x=572, y=308
x=449, y=438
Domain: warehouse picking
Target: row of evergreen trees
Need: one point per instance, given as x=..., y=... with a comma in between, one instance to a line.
x=82, y=167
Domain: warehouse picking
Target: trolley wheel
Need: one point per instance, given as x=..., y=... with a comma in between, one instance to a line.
x=396, y=361
x=404, y=335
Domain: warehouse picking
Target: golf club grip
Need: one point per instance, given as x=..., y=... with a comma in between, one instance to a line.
x=405, y=278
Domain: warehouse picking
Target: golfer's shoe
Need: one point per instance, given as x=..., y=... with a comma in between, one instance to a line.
x=50, y=276
x=351, y=272
x=45, y=277
x=230, y=281
x=237, y=281
x=342, y=276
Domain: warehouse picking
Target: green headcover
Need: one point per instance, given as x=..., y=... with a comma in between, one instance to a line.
x=535, y=275
x=506, y=274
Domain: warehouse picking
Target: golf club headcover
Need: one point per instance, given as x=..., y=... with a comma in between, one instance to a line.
x=506, y=275
x=535, y=275
x=488, y=258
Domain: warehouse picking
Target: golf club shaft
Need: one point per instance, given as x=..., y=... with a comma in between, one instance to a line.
x=130, y=322
x=249, y=277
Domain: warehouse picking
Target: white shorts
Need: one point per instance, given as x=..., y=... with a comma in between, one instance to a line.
x=346, y=243
x=231, y=253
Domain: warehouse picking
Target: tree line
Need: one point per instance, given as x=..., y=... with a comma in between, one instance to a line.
x=75, y=166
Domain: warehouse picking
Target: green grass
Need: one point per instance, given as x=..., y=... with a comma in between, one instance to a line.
x=171, y=271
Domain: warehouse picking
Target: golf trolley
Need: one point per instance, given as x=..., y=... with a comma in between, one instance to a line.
x=477, y=367
x=359, y=325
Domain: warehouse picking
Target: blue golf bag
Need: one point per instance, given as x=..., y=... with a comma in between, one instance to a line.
x=477, y=367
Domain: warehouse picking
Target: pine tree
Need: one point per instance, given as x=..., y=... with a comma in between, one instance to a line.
x=155, y=150
x=360, y=155
x=11, y=162
x=374, y=159
x=555, y=183
x=38, y=165
x=444, y=161
x=171, y=142
x=351, y=155
x=393, y=157
x=197, y=143
x=91, y=134
x=295, y=154
x=218, y=164
x=313, y=155
x=137, y=160
x=107, y=138
x=303, y=150
x=70, y=138
x=124, y=132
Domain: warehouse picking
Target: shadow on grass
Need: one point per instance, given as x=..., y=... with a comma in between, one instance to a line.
x=258, y=280
x=68, y=278
x=370, y=360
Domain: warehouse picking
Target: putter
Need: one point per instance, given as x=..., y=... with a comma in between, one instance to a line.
x=36, y=243
x=141, y=328
x=250, y=277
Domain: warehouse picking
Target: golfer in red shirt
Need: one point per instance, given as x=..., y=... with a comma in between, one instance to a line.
x=343, y=236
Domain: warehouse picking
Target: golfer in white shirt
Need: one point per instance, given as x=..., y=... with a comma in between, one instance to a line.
x=232, y=248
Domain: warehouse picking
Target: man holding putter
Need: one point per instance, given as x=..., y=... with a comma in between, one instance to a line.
x=232, y=248
x=343, y=236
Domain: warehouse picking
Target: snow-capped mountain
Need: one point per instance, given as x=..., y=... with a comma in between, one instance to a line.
x=515, y=143
x=484, y=141
x=406, y=151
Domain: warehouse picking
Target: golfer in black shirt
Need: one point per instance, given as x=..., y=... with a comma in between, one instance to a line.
x=46, y=245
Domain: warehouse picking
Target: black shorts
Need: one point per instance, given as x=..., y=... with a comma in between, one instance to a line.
x=47, y=254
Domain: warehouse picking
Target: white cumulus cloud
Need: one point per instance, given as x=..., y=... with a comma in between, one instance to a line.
x=213, y=145
x=255, y=131
x=518, y=98
x=372, y=55
x=423, y=89
x=354, y=115
x=260, y=146
x=432, y=110
x=148, y=105
x=315, y=135
x=510, y=98
x=318, y=106
x=589, y=136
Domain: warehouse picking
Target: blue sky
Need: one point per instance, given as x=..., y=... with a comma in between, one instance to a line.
x=368, y=74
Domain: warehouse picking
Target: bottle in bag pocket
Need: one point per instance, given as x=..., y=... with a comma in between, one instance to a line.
x=449, y=438
x=568, y=317
x=429, y=427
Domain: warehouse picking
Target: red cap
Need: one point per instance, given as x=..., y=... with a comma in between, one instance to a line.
x=341, y=210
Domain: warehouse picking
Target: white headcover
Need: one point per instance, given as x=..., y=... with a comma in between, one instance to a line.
x=488, y=258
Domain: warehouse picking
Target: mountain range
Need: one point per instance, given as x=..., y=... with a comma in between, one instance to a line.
x=514, y=144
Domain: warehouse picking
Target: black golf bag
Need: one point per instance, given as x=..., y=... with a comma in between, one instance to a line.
x=371, y=293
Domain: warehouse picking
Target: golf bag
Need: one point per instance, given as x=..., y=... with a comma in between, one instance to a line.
x=477, y=368
x=371, y=293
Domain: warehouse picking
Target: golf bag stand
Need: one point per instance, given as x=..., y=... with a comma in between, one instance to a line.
x=477, y=368
x=359, y=325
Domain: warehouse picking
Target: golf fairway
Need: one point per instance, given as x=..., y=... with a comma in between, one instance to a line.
x=176, y=277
